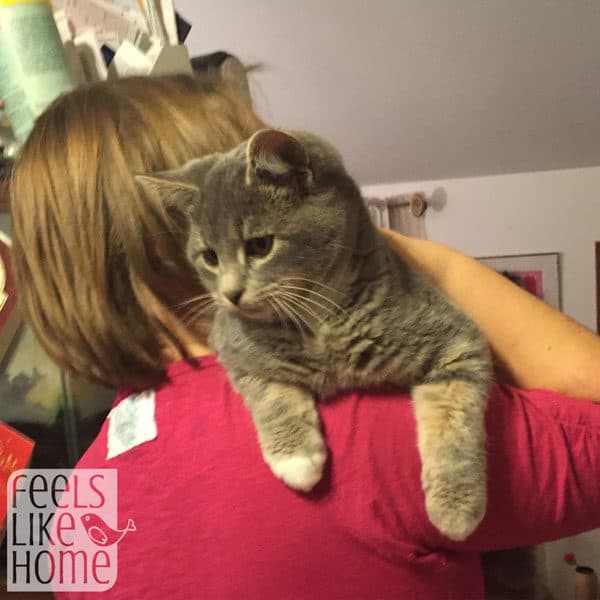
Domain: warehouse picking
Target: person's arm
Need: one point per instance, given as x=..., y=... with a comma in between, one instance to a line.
x=534, y=345
x=543, y=470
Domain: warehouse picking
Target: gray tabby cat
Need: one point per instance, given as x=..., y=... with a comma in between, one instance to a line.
x=311, y=301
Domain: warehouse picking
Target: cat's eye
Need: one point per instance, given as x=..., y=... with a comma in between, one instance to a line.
x=210, y=258
x=258, y=247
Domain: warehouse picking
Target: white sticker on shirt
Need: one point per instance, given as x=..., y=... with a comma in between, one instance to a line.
x=131, y=423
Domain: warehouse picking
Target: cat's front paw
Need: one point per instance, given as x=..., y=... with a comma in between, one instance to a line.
x=456, y=511
x=298, y=471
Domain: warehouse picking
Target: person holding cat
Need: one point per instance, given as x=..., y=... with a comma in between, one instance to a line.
x=106, y=285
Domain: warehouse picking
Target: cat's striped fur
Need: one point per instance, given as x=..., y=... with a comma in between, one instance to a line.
x=324, y=305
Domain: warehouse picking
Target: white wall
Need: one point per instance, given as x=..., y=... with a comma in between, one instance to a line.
x=524, y=213
x=422, y=88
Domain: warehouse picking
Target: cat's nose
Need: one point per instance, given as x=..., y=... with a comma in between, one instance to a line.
x=234, y=296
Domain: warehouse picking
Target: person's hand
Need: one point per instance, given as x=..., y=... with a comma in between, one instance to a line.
x=534, y=346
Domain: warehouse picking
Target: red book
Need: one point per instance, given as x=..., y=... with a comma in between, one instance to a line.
x=9, y=313
x=15, y=454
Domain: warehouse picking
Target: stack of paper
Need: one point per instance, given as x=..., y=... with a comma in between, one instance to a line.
x=103, y=39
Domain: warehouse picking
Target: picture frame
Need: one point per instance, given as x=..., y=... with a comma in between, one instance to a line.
x=538, y=273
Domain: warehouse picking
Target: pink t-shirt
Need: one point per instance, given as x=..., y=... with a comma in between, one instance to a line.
x=213, y=523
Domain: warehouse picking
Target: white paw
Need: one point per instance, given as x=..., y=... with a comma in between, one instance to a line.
x=300, y=472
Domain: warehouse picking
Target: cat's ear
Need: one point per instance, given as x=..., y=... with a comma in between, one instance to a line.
x=279, y=159
x=174, y=194
x=176, y=188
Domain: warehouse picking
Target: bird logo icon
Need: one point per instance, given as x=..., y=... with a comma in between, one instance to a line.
x=100, y=533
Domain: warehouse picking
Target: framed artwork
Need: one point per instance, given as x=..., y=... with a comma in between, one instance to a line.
x=539, y=274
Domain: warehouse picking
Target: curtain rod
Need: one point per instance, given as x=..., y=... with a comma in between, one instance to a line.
x=416, y=201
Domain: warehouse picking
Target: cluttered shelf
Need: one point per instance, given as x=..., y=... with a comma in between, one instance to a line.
x=57, y=415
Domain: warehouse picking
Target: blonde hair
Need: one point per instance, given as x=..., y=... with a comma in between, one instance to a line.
x=93, y=257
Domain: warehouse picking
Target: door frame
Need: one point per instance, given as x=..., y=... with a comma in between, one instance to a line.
x=598, y=287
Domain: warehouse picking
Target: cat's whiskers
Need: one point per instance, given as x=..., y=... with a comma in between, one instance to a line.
x=291, y=313
x=198, y=311
x=199, y=298
x=273, y=304
x=297, y=301
x=294, y=289
x=334, y=245
x=311, y=291
x=200, y=307
x=302, y=300
x=313, y=282
x=293, y=309
x=282, y=314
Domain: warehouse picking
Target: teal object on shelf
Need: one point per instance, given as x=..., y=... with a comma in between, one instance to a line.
x=33, y=65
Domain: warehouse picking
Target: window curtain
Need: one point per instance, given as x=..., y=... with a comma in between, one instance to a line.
x=396, y=213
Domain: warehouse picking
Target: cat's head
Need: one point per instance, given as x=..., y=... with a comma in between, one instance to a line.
x=272, y=224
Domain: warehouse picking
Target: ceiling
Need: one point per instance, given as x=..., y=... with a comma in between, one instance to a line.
x=422, y=89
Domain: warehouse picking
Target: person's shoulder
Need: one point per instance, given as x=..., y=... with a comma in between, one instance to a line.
x=188, y=382
x=367, y=409
x=137, y=417
x=375, y=469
